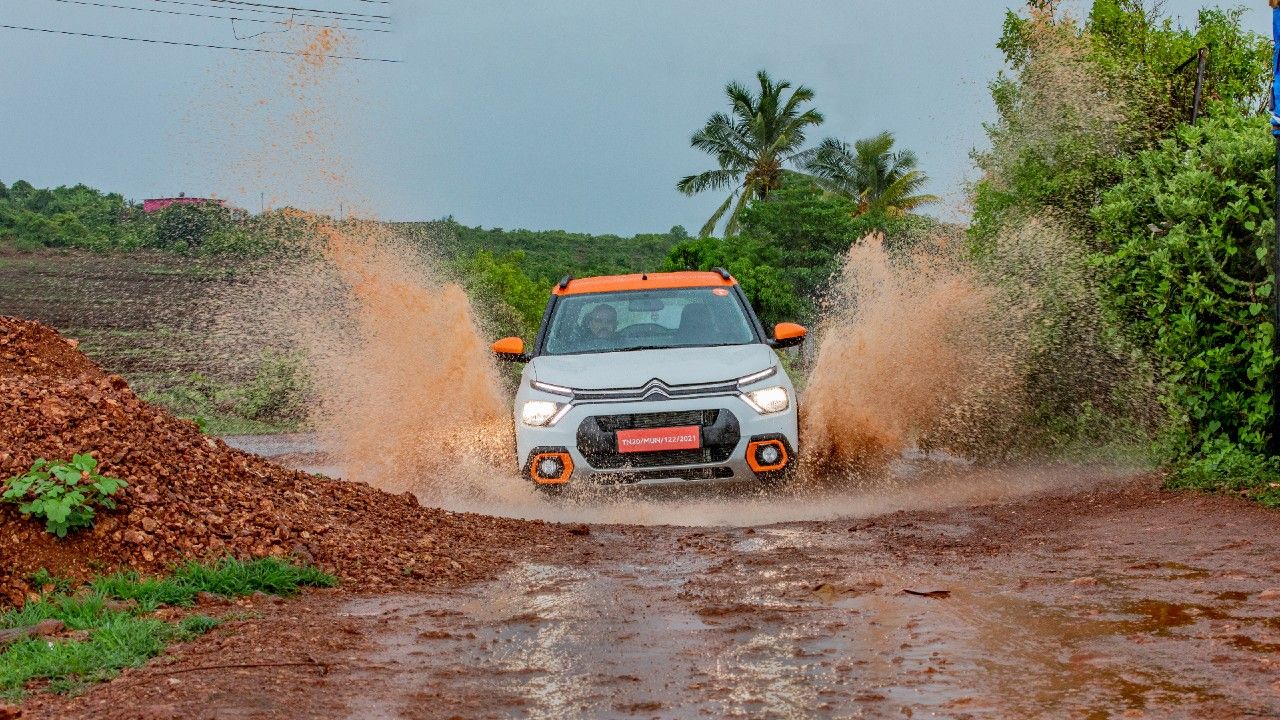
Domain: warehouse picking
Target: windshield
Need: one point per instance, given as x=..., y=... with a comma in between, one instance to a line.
x=646, y=320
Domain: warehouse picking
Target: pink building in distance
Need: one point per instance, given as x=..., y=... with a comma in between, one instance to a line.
x=156, y=204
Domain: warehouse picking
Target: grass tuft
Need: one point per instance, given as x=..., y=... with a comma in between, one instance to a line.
x=120, y=634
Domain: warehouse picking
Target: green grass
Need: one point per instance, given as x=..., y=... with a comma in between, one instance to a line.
x=220, y=406
x=123, y=635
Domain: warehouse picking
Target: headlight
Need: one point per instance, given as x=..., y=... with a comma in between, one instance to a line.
x=768, y=400
x=539, y=413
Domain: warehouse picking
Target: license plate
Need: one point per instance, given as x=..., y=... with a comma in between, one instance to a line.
x=688, y=437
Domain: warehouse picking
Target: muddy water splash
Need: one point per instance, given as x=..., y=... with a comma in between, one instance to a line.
x=408, y=397
x=912, y=350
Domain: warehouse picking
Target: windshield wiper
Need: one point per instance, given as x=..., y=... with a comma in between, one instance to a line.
x=643, y=347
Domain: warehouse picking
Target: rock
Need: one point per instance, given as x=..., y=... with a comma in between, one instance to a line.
x=44, y=628
x=205, y=599
x=9, y=712
x=149, y=524
x=133, y=537
x=302, y=554
x=1085, y=581
x=1272, y=594
x=580, y=529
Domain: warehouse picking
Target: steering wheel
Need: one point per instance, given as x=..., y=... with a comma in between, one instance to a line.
x=644, y=330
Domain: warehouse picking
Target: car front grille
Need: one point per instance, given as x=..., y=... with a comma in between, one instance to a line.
x=598, y=440
x=614, y=423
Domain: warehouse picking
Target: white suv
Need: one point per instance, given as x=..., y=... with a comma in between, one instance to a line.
x=653, y=378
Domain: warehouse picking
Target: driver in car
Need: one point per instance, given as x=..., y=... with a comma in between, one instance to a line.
x=601, y=323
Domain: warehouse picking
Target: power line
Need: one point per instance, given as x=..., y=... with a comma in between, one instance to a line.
x=197, y=45
x=218, y=17
x=302, y=9
x=273, y=12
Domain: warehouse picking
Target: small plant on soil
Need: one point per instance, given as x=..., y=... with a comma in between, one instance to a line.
x=63, y=494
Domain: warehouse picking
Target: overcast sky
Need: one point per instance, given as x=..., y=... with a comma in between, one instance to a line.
x=507, y=113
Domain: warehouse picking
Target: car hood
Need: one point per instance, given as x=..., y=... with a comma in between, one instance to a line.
x=673, y=366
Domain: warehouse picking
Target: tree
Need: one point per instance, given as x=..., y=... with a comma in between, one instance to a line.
x=752, y=145
x=871, y=174
x=789, y=246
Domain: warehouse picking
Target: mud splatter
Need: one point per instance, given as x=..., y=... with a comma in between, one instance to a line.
x=913, y=348
x=407, y=394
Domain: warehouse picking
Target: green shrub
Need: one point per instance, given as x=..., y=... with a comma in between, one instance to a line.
x=64, y=494
x=1225, y=467
x=280, y=391
x=1185, y=238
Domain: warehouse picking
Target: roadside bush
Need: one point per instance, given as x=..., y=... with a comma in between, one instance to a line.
x=514, y=302
x=64, y=494
x=1185, y=239
x=280, y=391
x=1093, y=134
x=1225, y=467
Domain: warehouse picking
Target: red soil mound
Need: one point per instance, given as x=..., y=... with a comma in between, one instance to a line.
x=192, y=496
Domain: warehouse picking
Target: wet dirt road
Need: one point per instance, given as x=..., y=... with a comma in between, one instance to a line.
x=1118, y=600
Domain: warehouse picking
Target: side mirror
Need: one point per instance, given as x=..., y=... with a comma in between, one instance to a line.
x=510, y=349
x=788, y=335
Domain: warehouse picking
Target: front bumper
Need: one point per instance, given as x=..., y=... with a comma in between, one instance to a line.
x=728, y=427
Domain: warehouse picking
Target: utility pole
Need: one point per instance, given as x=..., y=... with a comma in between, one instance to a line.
x=1202, y=58
x=1275, y=246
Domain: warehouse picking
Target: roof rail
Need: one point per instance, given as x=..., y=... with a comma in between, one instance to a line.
x=723, y=273
x=564, y=281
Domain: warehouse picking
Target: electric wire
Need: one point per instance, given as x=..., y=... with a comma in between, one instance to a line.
x=219, y=17
x=198, y=45
x=271, y=12
x=301, y=9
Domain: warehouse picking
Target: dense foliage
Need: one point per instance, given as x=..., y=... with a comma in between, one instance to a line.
x=76, y=216
x=1185, y=237
x=1094, y=134
x=514, y=300
x=1079, y=98
x=82, y=217
x=511, y=271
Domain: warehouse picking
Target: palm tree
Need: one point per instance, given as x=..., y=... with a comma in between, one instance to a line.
x=870, y=173
x=751, y=143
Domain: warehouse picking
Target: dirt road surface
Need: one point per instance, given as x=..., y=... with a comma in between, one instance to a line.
x=1106, y=599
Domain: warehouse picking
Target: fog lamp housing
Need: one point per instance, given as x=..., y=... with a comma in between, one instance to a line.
x=550, y=467
x=764, y=456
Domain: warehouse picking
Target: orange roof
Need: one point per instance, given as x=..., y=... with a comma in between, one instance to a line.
x=655, y=281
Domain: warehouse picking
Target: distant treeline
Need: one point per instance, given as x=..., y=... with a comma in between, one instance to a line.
x=551, y=254
x=83, y=217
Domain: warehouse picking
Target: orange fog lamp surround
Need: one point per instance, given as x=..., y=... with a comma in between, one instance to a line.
x=509, y=348
x=753, y=449
x=566, y=468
